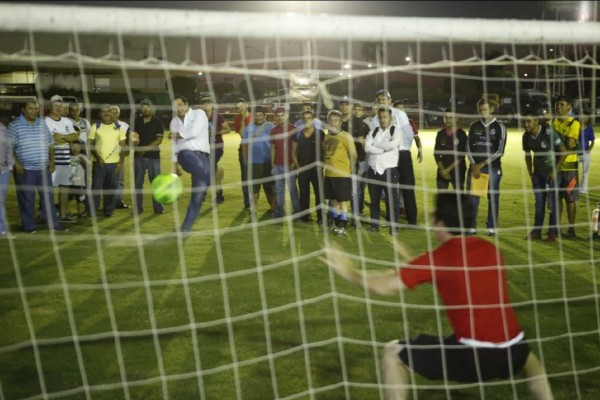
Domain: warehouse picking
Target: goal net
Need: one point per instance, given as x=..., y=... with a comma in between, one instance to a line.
x=243, y=307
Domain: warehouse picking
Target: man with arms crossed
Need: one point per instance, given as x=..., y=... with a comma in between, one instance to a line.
x=487, y=341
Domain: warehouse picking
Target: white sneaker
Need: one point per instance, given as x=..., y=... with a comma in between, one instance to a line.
x=472, y=231
x=491, y=232
x=6, y=235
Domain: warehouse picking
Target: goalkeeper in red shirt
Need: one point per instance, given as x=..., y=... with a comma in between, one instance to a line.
x=469, y=275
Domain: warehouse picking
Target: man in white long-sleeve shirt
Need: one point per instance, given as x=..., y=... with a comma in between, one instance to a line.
x=406, y=173
x=193, y=154
x=381, y=145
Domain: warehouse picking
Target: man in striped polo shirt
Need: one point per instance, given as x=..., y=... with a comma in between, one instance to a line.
x=33, y=147
x=64, y=134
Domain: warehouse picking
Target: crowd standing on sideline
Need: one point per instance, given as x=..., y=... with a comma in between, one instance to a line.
x=64, y=155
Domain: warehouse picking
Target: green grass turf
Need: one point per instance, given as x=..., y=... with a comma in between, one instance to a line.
x=248, y=311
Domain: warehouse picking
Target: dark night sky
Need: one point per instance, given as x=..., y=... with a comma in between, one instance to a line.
x=537, y=10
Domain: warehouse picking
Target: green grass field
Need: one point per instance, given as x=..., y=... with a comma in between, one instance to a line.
x=123, y=309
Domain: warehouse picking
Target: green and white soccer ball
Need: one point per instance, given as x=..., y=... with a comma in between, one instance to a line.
x=166, y=188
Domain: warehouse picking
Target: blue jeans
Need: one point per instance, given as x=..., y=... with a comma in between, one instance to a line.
x=152, y=165
x=544, y=190
x=493, y=196
x=4, y=180
x=104, y=180
x=197, y=163
x=283, y=176
x=358, y=188
x=27, y=184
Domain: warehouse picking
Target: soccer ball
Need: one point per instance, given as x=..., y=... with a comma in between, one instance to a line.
x=166, y=188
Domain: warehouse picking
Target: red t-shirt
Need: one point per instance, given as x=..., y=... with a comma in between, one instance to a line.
x=237, y=122
x=475, y=270
x=280, y=143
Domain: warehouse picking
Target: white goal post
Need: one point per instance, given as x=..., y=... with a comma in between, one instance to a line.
x=243, y=307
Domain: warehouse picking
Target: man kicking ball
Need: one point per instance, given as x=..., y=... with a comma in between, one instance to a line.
x=469, y=275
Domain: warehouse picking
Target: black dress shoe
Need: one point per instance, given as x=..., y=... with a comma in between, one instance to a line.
x=121, y=206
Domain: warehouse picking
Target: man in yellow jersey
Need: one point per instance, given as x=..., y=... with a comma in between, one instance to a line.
x=568, y=183
x=106, y=141
x=339, y=158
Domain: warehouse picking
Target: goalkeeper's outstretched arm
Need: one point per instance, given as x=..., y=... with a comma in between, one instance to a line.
x=379, y=282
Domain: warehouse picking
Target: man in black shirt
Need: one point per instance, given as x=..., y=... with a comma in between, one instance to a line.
x=307, y=152
x=359, y=130
x=147, y=153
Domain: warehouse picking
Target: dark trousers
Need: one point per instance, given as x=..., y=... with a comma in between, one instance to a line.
x=27, y=184
x=197, y=163
x=244, y=178
x=141, y=165
x=104, y=180
x=386, y=183
x=305, y=180
x=406, y=179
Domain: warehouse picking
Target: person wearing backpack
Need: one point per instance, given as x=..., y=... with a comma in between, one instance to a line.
x=568, y=180
x=381, y=145
x=106, y=141
x=543, y=166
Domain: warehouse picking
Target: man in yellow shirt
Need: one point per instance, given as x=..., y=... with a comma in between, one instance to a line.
x=567, y=177
x=106, y=141
x=339, y=158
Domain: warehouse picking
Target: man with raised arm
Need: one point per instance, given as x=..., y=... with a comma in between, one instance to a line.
x=486, y=342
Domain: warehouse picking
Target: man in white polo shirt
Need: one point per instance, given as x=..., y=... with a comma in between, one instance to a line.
x=193, y=154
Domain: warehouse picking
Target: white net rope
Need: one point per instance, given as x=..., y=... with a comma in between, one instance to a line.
x=243, y=307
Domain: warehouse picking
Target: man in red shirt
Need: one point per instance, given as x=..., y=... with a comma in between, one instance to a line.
x=283, y=168
x=469, y=275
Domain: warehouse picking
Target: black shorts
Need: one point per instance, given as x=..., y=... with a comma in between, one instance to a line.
x=261, y=171
x=568, y=182
x=462, y=363
x=339, y=189
x=77, y=193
